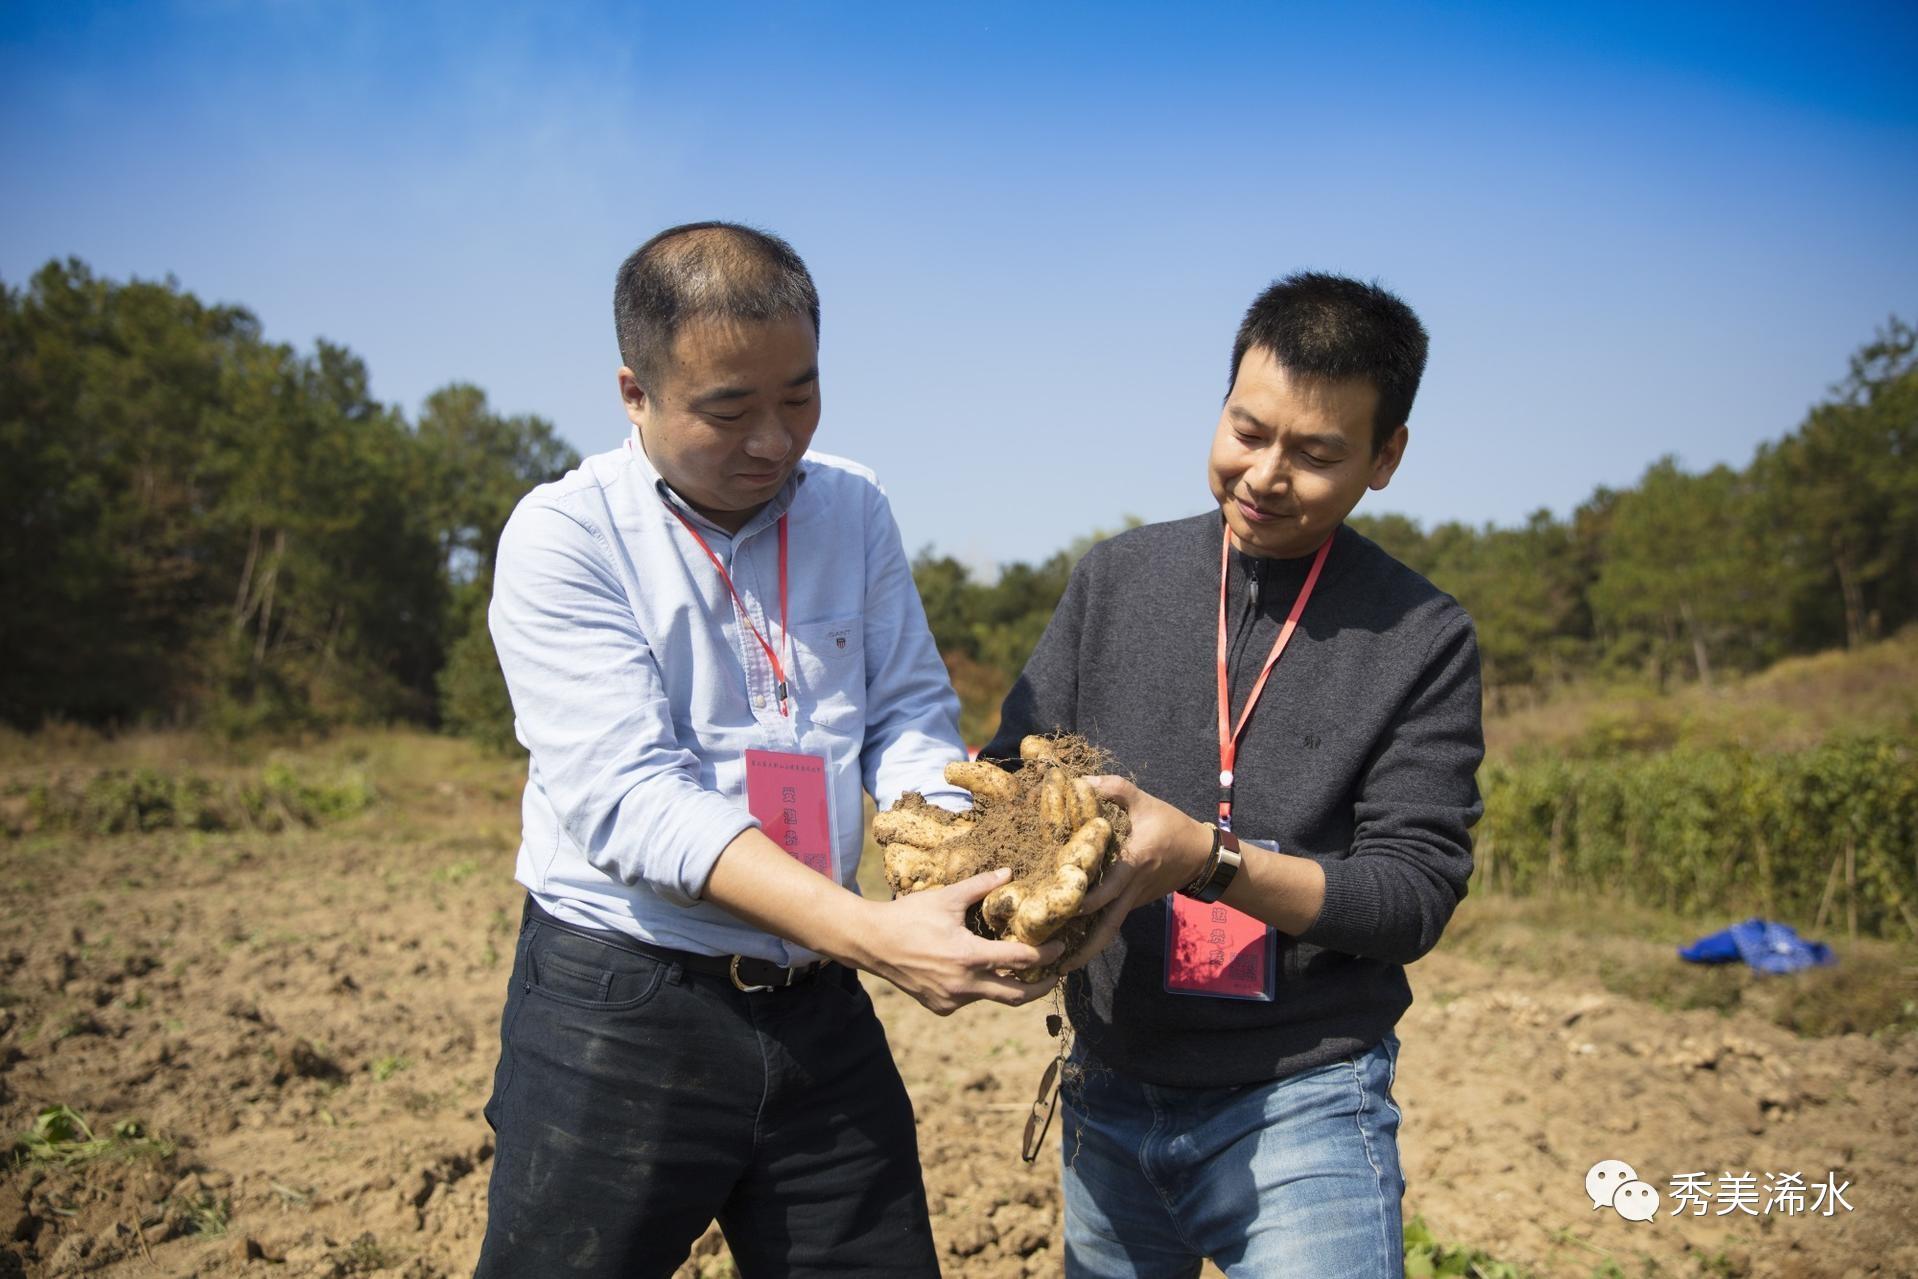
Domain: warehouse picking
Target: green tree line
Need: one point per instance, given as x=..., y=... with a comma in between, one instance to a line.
x=199, y=526
x=1682, y=577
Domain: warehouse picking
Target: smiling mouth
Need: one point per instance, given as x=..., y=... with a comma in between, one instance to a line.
x=1255, y=514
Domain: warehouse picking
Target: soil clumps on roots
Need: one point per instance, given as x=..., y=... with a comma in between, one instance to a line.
x=1042, y=820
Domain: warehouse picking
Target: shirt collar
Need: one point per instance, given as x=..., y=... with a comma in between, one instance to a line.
x=764, y=517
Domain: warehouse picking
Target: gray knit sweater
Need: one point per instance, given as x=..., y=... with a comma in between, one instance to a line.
x=1362, y=754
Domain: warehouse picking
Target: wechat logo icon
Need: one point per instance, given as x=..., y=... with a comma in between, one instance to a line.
x=1611, y=1183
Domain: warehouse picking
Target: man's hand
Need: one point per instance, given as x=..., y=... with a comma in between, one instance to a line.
x=1163, y=853
x=920, y=943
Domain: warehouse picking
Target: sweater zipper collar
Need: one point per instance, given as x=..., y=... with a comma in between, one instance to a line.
x=1248, y=617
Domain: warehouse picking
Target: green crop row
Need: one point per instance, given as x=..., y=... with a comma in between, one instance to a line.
x=1822, y=836
x=122, y=801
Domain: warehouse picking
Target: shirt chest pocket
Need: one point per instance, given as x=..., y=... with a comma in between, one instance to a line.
x=830, y=661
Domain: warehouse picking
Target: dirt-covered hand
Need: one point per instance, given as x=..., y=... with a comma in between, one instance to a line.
x=920, y=943
x=1165, y=851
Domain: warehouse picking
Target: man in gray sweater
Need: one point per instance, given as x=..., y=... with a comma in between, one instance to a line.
x=1300, y=828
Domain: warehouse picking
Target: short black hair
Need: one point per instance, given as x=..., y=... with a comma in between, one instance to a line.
x=1335, y=327
x=716, y=270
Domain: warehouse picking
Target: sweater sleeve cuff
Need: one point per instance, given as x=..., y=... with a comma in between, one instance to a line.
x=1348, y=922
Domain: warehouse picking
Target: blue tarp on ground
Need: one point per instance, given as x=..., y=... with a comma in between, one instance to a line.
x=1768, y=947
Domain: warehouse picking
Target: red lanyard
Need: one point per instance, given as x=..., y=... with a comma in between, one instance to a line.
x=1229, y=736
x=779, y=670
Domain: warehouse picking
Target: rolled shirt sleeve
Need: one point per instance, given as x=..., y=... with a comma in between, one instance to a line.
x=591, y=707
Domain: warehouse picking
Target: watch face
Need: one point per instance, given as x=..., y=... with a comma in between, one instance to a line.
x=1225, y=871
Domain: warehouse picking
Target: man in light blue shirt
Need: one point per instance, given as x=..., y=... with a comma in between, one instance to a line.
x=714, y=648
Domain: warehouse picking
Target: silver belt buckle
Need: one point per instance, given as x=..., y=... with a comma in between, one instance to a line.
x=740, y=985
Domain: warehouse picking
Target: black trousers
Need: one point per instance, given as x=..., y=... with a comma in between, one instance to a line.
x=636, y=1102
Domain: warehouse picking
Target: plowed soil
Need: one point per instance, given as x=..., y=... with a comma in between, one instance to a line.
x=308, y=1021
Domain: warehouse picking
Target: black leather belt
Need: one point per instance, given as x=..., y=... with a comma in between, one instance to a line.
x=744, y=972
x=752, y=975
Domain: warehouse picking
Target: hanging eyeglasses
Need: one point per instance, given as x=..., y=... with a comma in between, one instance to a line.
x=1039, y=1120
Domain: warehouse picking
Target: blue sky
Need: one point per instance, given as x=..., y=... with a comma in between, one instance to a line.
x=1631, y=231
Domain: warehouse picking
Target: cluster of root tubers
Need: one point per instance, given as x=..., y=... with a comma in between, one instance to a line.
x=1044, y=821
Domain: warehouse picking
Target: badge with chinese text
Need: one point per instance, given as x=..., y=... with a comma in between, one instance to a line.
x=787, y=793
x=1212, y=949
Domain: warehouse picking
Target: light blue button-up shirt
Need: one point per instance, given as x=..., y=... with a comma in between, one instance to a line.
x=638, y=687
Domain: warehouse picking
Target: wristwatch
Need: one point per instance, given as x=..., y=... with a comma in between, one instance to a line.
x=1219, y=870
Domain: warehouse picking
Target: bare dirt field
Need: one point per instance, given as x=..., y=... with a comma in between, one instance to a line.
x=294, y=1033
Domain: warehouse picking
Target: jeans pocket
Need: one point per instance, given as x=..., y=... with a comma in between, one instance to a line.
x=580, y=972
x=845, y=993
x=509, y=1015
x=1384, y=1059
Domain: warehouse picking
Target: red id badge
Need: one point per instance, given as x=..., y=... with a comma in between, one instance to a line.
x=1212, y=949
x=787, y=793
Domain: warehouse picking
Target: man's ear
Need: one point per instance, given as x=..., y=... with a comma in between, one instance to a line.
x=1390, y=454
x=632, y=395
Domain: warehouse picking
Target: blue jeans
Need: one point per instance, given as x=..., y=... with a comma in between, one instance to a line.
x=1298, y=1177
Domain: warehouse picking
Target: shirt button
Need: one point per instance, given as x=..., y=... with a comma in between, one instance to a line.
x=759, y=703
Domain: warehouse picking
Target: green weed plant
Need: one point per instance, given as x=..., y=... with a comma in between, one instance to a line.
x=1428, y=1258
x=1715, y=832
x=60, y=1135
